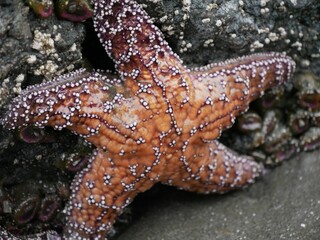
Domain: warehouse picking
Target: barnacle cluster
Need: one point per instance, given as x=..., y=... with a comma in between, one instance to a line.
x=285, y=121
x=29, y=202
x=33, y=192
x=72, y=10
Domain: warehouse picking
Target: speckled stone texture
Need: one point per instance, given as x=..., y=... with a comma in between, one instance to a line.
x=33, y=49
x=204, y=31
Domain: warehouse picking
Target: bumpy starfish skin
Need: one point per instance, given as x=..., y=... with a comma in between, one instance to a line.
x=158, y=123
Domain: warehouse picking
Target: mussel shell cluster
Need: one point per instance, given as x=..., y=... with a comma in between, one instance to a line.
x=32, y=204
x=35, y=181
x=285, y=121
x=72, y=10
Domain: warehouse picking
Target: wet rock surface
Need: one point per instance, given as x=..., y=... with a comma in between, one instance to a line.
x=285, y=204
x=33, y=49
x=205, y=31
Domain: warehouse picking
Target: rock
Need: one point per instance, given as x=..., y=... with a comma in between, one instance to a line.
x=205, y=31
x=33, y=49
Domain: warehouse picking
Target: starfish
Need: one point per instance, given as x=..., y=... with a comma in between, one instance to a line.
x=157, y=121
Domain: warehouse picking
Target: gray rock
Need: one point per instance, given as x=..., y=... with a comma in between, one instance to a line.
x=33, y=48
x=205, y=31
x=285, y=204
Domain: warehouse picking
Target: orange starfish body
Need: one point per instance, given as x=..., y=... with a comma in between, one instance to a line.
x=158, y=123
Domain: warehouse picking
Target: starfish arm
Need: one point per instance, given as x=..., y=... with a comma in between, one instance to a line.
x=223, y=91
x=211, y=168
x=151, y=71
x=91, y=105
x=95, y=107
x=101, y=192
x=137, y=47
x=60, y=102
